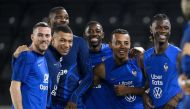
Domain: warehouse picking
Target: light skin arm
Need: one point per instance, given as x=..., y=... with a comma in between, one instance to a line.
x=20, y=49
x=16, y=96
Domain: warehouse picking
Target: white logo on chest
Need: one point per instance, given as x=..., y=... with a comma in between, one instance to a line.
x=46, y=77
x=157, y=92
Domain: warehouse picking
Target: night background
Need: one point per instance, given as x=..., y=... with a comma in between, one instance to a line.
x=17, y=18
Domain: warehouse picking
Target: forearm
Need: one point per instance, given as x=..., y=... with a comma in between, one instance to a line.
x=136, y=90
x=82, y=88
x=16, y=98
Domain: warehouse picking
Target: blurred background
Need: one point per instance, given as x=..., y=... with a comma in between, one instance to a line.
x=17, y=18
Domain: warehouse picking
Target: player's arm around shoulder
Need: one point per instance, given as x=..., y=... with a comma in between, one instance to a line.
x=19, y=50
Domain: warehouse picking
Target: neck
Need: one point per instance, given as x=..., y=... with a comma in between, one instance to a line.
x=35, y=49
x=120, y=61
x=96, y=49
x=159, y=49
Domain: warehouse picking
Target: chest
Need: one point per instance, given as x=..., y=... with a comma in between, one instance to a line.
x=160, y=65
x=129, y=75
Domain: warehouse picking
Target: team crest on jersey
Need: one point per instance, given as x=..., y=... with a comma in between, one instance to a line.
x=134, y=72
x=103, y=59
x=46, y=76
x=165, y=67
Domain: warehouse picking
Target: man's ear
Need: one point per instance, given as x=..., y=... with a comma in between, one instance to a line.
x=52, y=40
x=110, y=45
x=84, y=35
x=102, y=35
x=32, y=37
x=151, y=30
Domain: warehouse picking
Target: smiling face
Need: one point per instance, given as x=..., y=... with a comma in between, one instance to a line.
x=59, y=17
x=94, y=35
x=160, y=30
x=41, y=39
x=120, y=45
x=62, y=42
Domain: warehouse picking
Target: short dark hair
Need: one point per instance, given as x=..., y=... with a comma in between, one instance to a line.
x=55, y=9
x=120, y=31
x=93, y=23
x=62, y=28
x=158, y=17
x=40, y=24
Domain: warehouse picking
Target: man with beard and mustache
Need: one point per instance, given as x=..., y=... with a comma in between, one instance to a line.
x=99, y=52
x=122, y=73
x=29, y=85
x=160, y=66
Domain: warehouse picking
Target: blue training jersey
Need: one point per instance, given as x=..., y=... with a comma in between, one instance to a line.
x=54, y=66
x=30, y=68
x=162, y=74
x=185, y=61
x=99, y=96
x=128, y=74
x=74, y=67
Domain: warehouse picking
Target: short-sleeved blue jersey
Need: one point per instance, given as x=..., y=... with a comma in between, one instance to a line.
x=162, y=74
x=128, y=74
x=185, y=61
x=101, y=95
x=30, y=68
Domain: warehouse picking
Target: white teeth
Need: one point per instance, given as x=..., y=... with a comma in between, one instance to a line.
x=162, y=36
x=94, y=39
x=121, y=51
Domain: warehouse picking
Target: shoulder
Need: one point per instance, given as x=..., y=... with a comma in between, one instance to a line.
x=174, y=48
x=28, y=56
x=79, y=41
x=105, y=48
x=148, y=53
x=78, y=38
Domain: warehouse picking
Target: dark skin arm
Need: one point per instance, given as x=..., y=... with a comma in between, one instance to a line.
x=146, y=98
x=173, y=102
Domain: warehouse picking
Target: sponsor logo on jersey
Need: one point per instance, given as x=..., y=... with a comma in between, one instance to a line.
x=157, y=92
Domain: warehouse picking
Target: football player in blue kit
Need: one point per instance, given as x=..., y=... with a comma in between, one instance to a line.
x=185, y=60
x=79, y=57
x=99, y=96
x=160, y=66
x=29, y=85
x=122, y=73
x=62, y=42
